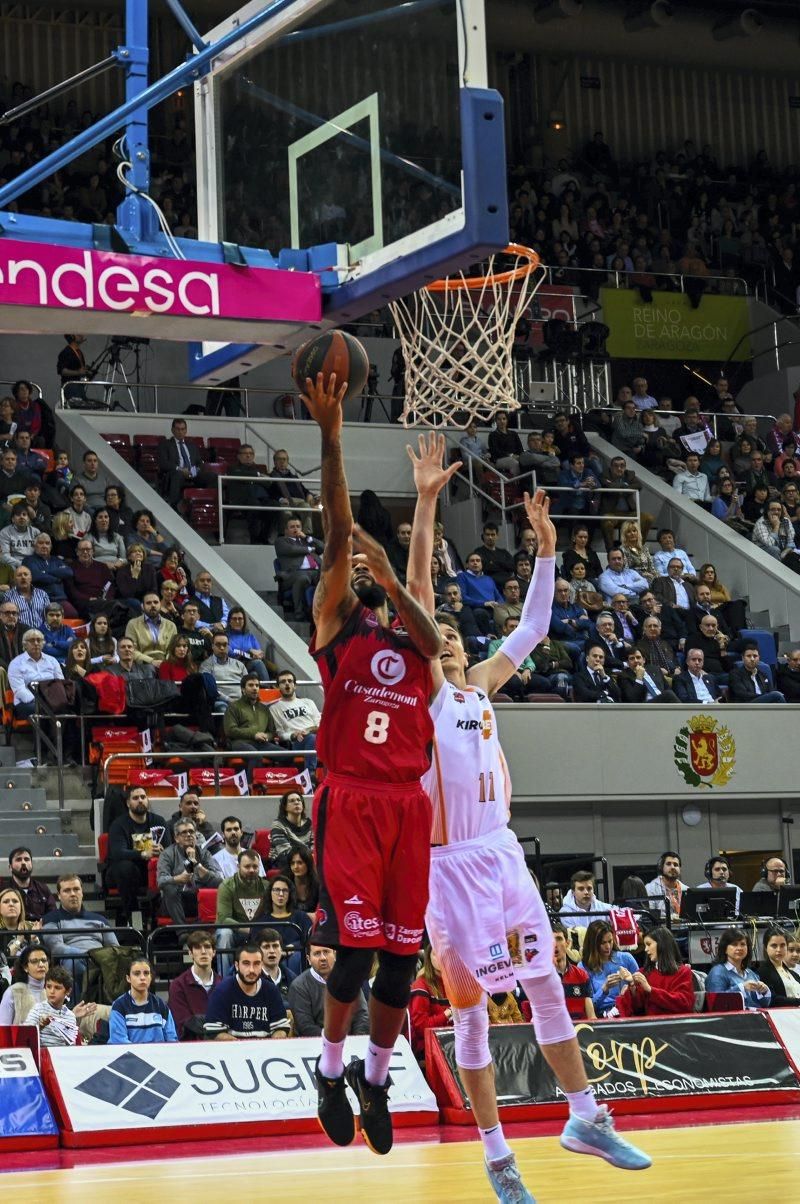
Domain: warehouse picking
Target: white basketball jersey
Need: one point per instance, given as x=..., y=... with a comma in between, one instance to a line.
x=468, y=781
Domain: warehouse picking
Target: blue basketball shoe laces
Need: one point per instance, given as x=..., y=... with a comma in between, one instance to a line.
x=506, y=1181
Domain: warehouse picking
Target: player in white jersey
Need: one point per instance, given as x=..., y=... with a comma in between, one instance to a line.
x=485, y=918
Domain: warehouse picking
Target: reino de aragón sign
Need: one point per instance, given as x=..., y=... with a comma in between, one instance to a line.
x=668, y=328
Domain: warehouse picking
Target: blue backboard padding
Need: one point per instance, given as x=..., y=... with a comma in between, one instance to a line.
x=24, y=1110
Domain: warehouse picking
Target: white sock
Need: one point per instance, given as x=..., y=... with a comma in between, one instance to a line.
x=495, y=1145
x=376, y=1064
x=582, y=1104
x=331, y=1062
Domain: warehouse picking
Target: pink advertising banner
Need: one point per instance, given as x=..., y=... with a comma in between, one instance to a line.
x=39, y=275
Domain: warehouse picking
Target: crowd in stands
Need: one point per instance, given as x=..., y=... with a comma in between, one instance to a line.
x=643, y=224
x=258, y=970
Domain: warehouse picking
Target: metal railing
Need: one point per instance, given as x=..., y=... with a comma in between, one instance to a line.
x=166, y=935
x=35, y=384
x=622, y=279
x=301, y=512
x=528, y=480
x=735, y=420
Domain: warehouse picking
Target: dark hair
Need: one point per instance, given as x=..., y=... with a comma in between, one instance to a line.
x=130, y=789
x=70, y=662
x=631, y=888
x=268, y=935
x=100, y=510
x=581, y=876
x=245, y=854
x=16, y=385
x=229, y=819
x=99, y=645
x=665, y=855
x=665, y=531
x=732, y=936
x=20, y=970
x=199, y=937
x=21, y=848
x=136, y=960
x=668, y=959
x=769, y=933
x=313, y=877
x=237, y=610
x=318, y=942
x=287, y=878
x=139, y=513
x=558, y=927
x=285, y=673
x=250, y=947
x=61, y=975
x=284, y=800
x=590, y=954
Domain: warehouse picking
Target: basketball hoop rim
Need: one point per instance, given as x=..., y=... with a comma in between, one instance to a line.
x=520, y=272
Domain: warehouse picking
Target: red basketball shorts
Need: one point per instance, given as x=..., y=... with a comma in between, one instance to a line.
x=372, y=844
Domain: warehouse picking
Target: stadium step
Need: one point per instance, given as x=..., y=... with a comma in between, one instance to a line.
x=28, y=821
x=14, y=800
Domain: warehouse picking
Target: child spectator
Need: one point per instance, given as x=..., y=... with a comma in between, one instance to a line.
x=139, y=1017
x=57, y=1024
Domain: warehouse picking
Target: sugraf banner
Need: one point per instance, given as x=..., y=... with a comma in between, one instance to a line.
x=667, y=328
x=643, y=1059
x=26, y=1121
x=147, y=1087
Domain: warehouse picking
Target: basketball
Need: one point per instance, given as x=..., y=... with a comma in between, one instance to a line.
x=334, y=351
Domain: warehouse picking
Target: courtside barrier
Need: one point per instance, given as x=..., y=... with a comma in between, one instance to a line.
x=26, y=1122
x=130, y=1094
x=652, y=1064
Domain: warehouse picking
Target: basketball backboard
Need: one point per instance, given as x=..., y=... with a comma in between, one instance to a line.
x=356, y=139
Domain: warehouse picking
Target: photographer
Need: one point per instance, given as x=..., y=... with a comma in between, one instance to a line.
x=183, y=869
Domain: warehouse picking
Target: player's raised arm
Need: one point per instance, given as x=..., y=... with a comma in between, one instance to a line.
x=430, y=477
x=418, y=623
x=535, y=618
x=333, y=597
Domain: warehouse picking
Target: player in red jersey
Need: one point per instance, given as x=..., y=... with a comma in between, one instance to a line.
x=371, y=816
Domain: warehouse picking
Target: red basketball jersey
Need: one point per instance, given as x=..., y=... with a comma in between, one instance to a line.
x=375, y=722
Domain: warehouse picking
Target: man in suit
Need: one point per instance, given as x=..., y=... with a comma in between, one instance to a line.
x=300, y=557
x=643, y=683
x=702, y=607
x=180, y=465
x=673, y=627
x=748, y=683
x=593, y=684
x=657, y=651
x=151, y=634
x=695, y=685
x=626, y=624
x=788, y=676
x=672, y=590
x=714, y=645
x=614, y=648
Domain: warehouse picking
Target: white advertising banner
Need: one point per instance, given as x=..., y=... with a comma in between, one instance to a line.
x=106, y=1087
x=787, y=1023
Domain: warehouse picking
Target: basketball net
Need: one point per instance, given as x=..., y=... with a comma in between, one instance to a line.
x=457, y=335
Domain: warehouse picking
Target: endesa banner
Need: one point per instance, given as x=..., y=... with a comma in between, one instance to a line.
x=116, y=1094
x=26, y=1122
x=642, y=1062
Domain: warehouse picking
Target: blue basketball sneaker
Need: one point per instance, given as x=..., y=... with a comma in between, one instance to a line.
x=506, y=1181
x=601, y=1138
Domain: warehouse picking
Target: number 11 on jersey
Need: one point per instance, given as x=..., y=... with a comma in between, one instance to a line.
x=482, y=783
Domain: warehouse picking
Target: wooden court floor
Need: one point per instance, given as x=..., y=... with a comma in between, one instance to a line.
x=750, y=1159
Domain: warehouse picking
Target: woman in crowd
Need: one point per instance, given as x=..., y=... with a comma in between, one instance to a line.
x=8, y=425
x=775, y=535
x=167, y=608
x=754, y=504
x=665, y=985
x=579, y=550
x=29, y=414
x=173, y=569
x=145, y=533
x=139, y=1017
x=712, y=461
x=243, y=645
x=305, y=879
x=27, y=985
x=291, y=830
x=727, y=507
x=773, y=969
x=637, y=555
x=584, y=592
x=732, y=970
x=15, y=930
x=120, y=513
x=178, y=664
x=429, y=1006
x=136, y=578
x=608, y=968
x=79, y=661
x=734, y=609
x=281, y=904
x=60, y=529
x=108, y=545
x=741, y=452
x=80, y=519
x=102, y=645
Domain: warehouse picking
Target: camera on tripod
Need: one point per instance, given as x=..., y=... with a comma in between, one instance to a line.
x=121, y=340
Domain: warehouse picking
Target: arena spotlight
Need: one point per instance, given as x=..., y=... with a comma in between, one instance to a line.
x=745, y=24
x=553, y=10
x=556, y=121
x=648, y=16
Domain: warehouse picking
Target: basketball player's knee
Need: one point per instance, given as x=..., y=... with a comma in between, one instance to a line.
x=392, y=985
x=471, y=1028
x=350, y=972
x=551, y=1020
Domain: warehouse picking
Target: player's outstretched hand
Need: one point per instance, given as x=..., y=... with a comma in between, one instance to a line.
x=430, y=475
x=538, y=512
x=325, y=403
x=369, y=553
